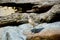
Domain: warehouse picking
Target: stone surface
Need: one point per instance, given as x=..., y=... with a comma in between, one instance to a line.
x=51, y=31
x=9, y=18
x=15, y=32
x=19, y=1
x=18, y=18
x=25, y=27
x=31, y=18
x=31, y=1
x=11, y=33
x=50, y=14
x=4, y=11
x=36, y=17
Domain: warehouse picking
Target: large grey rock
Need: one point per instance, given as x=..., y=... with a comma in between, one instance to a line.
x=14, y=32
x=11, y=33
x=24, y=31
x=46, y=25
x=25, y=27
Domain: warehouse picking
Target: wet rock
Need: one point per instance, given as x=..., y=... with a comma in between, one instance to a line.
x=25, y=27
x=11, y=33
x=43, y=31
x=15, y=32
x=51, y=31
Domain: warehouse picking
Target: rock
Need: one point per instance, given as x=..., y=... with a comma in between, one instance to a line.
x=37, y=18
x=18, y=18
x=18, y=1
x=10, y=18
x=43, y=6
x=46, y=17
x=51, y=31
x=47, y=9
x=44, y=32
x=25, y=27
x=33, y=19
x=23, y=17
x=4, y=11
x=52, y=5
x=13, y=18
x=31, y=1
x=11, y=33
x=14, y=32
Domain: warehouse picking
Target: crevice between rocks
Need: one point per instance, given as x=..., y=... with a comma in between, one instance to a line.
x=24, y=6
x=41, y=9
x=27, y=6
